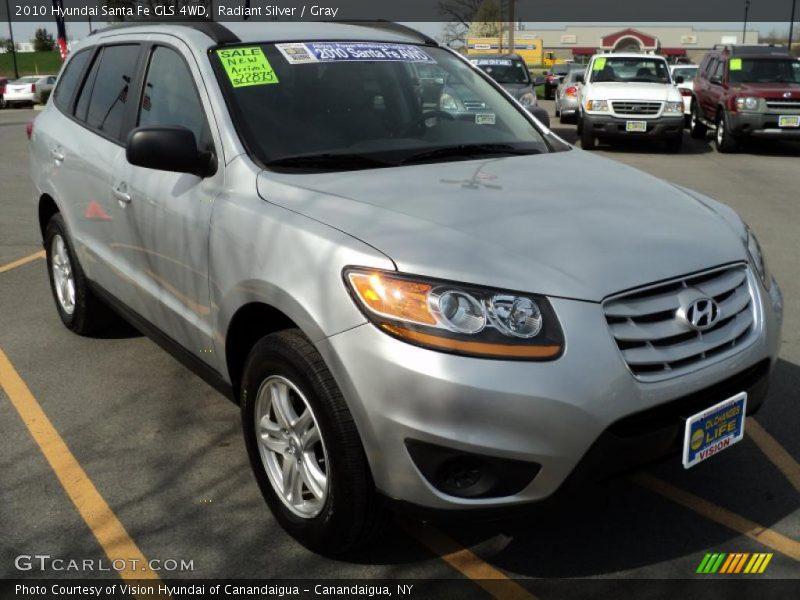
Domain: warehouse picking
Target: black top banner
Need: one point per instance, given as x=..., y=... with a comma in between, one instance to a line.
x=536, y=11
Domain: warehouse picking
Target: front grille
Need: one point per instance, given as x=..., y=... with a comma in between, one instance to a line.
x=474, y=105
x=656, y=343
x=636, y=108
x=784, y=103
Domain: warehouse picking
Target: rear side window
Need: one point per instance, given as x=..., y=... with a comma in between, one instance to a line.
x=106, y=92
x=170, y=96
x=69, y=80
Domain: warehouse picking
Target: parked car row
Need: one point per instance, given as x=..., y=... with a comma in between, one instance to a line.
x=25, y=91
x=737, y=92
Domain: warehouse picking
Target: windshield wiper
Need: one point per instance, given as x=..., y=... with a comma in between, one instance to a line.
x=329, y=160
x=468, y=151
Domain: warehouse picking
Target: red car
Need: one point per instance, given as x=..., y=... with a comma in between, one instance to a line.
x=746, y=91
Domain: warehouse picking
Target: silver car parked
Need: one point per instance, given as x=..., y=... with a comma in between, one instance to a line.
x=28, y=90
x=567, y=98
x=399, y=312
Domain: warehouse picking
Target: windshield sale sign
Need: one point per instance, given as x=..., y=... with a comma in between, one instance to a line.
x=308, y=52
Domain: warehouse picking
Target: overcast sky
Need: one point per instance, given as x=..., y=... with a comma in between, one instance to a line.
x=23, y=32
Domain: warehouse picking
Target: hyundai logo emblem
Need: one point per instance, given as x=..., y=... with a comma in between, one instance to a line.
x=702, y=313
x=787, y=94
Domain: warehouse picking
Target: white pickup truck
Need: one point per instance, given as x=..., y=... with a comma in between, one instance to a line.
x=630, y=95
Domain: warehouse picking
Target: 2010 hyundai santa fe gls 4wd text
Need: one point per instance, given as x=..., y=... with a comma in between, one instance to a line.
x=399, y=312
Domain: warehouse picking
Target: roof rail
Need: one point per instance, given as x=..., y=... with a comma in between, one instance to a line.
x=392, y=27
x=216, y=31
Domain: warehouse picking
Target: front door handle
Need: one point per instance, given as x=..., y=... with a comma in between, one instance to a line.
x=120, y=192
x=57, y=155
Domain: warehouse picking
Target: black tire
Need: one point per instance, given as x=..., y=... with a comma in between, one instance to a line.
x=352, y=512
x=90, y=314
x=696, y=127
x=674, y=145
x=723, y=138
x=587, y=138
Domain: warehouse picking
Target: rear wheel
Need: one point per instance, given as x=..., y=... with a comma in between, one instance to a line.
x=724, y=138
x=696, y=127
x=304, y=447
x=79, y=308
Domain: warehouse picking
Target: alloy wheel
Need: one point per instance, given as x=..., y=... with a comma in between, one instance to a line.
x=63, y=278
x=291, y=447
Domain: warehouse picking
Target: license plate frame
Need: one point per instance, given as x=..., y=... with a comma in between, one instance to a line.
x=724, y=421
x=636, y=126
x=789, y=121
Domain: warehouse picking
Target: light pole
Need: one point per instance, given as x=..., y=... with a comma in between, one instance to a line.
x=791, y=27
x=744, y=28
x=13, y=46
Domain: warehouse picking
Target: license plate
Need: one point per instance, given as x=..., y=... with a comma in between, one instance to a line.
x=713, y=430
x=636, y=126
x=789, y=121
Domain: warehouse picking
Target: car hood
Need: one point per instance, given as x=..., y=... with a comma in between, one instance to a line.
x=770, y=90
x=517, y=89
x=590, y=228
x=634, y=91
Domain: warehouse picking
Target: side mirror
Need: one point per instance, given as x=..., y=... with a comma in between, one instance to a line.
x=679, y=80
x=168, y=148
x=716, y=80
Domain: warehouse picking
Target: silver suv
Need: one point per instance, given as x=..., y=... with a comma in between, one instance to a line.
x=399, y=311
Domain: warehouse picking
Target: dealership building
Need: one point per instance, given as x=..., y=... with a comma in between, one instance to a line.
x=579, y=42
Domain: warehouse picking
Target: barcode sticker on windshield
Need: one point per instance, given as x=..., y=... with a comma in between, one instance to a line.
x=247, y=66
x=484, y=119
x=313, y=52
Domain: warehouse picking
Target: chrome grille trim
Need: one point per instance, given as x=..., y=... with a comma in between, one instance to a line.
x=655, y=344
x=628, y=107
x=784, y=103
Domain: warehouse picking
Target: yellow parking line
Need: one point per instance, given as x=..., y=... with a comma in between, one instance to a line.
x=469, y=564
x=22, y=261
x=776, y=453
x=763, y=535
x=97, y=514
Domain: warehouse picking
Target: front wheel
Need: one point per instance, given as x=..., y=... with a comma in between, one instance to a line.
x=587, y=137
x=304, y=447
x=724, y=139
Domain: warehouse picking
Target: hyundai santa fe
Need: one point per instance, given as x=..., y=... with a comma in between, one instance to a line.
x=403, y=318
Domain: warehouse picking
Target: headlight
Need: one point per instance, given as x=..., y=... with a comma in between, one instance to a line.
x=447, y=102
x=747, y=103
x=457, y=318
x=527, y=100
x=597, y=105
x=673, y=107
x=757, y=258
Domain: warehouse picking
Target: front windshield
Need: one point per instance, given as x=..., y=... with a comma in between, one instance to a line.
x=351, y=105
x=687, y=73
x=641, y=69
x=504, y=70
x=763, y=70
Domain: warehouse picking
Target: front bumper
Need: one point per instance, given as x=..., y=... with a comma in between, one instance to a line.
x=604, y=126
x=762, y=125
x=545, y=414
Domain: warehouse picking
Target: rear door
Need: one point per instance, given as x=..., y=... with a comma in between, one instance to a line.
x=83, y=153
x=166, y=219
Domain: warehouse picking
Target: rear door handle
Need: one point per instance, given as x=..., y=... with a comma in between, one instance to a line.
x=120, y=192
x=57, y=155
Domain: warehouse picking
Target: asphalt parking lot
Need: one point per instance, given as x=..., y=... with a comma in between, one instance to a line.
x=164, y=455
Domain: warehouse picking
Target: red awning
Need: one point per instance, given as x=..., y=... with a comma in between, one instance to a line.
x=585, y=51
x=673, y=51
